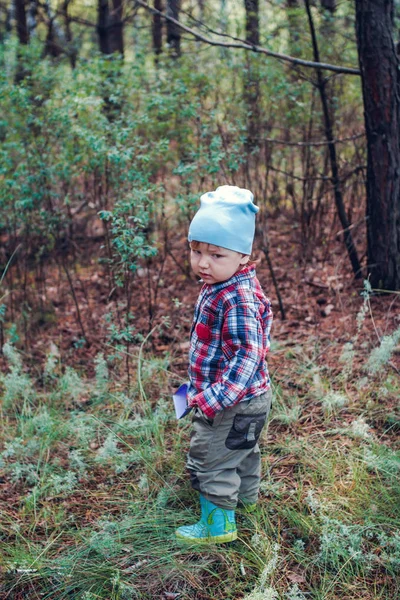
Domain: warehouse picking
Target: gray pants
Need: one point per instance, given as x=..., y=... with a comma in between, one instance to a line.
x=224, y=456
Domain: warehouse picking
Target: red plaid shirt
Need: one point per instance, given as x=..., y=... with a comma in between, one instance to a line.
x=229, y=340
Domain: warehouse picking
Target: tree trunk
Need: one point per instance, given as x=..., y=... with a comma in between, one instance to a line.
x=327, y=23
x=72, y=53
x=110, y=27
x=379, y=65
x=51, y=47
x=223, y=18
x=329, y=5
x=173, y=32
x=337, y=188
x=23, y=37
x=103, y=18
x=252, y=22
x=31, y=17
x=327, y=32
x=202, y=6
x=55, y=40
x=115, y=31
x=251, y=79
x=10, y=15
x=20, y=16
x=157, y=28
x=294, y=27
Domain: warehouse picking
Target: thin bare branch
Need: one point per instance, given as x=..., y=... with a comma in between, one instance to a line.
x=253, y=48
x=297, y=177
x=319, y=143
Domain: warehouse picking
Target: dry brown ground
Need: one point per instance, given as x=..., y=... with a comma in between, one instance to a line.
x=321, y=299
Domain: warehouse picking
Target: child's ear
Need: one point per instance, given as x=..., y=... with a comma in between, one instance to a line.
x=245, y=259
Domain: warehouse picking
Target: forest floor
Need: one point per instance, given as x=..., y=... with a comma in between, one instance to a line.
x=92, y=473
x=320, y=298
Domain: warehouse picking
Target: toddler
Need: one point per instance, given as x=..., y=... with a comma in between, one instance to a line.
x=229, y=388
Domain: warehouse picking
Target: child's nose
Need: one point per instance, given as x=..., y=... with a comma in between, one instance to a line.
x=203, y=262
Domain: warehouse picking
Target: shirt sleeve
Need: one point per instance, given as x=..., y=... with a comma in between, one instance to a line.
x=243, y=347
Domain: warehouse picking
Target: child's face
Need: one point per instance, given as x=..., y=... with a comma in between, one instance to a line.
x=214, y=264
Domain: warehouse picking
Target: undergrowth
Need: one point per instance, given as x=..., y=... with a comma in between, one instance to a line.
x=95, y=485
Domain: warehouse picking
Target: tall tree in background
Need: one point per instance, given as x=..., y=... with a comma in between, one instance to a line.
x=252, y=22
x=321, y=85
x=379, y=65
x=9, y=17
x=292, y=10
x=116, y=27
x=55, y=43
x=329, y=5
x=71, y=49
x=111, y=41
x=327, y=23
x=202, y=7
x=252, y=80
x=20, y=17
x=31, y=17
x=110, y=26
x=173, y=30
x=23, y=38
x=157, y=28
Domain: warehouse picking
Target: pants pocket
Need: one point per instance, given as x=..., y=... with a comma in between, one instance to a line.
x=245, y=431
x=200, y=435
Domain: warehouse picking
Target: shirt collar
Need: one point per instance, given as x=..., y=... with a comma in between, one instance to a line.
x=247, y=272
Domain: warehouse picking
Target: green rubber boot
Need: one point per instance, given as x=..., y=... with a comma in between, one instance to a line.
x=217, y=525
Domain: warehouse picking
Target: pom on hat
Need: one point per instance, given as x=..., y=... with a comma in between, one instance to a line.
x=226, y=218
